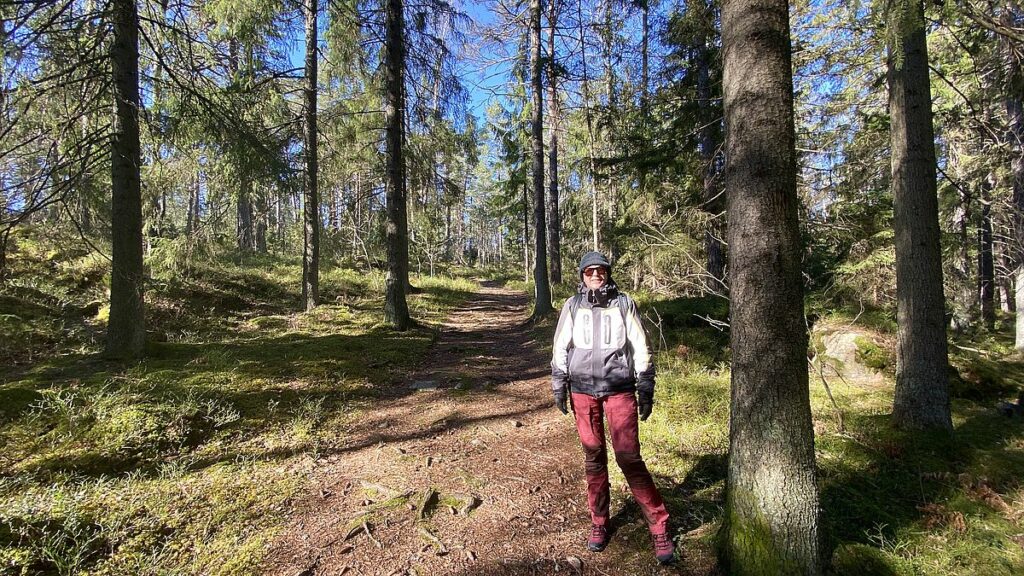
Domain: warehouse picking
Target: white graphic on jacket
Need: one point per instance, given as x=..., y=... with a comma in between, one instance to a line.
x=601, y=350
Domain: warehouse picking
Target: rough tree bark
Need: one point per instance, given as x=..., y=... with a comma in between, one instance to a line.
x=553, y=218
x=311, y=218
x=965, y=294
x=396, y=308
x=261, y=221
x=986, y=264
x=772, y=520
x=126, y=331
x=542, y=290
x=922, y=386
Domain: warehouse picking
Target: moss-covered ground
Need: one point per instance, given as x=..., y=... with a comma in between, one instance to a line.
x=182, y=463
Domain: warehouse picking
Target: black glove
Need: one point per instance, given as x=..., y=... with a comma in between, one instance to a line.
x=562, y=399
x=645, y=403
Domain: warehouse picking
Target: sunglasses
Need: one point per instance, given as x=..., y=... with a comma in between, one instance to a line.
x=595, y=270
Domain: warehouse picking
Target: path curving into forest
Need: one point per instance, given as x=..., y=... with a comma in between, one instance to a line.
x=468, y=471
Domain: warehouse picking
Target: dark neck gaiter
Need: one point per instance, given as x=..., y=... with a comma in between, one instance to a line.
x=603, y=295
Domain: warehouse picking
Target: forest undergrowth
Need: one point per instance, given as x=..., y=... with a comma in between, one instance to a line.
x=184, y=462
x=187, y=461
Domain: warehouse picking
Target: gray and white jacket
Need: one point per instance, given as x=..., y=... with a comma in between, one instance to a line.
x=601, y=350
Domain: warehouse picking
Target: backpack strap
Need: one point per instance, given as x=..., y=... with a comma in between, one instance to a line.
x=574, y=305
x=621, y=301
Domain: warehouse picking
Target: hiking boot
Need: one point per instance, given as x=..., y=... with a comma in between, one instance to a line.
x=664, y=549
x=598, y=538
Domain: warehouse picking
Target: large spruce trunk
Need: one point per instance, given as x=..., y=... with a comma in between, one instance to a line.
x=553, y=218
x=922, y=388
x=126, y=331
x=772, y=518
x=542, y=290
x=311, y=218
x=396, y=309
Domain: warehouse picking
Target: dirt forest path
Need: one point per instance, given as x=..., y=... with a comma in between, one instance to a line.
x=469, y=471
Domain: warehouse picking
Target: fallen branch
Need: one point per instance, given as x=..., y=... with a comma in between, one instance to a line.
x=366, y=528
x=439, y=547
x=975, y=350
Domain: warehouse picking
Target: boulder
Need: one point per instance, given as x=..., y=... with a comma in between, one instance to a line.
x=852, y=354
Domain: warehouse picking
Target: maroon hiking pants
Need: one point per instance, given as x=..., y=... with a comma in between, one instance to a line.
x=620, y=410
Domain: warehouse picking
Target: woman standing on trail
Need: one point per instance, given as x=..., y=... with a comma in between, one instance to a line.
x=600, y=356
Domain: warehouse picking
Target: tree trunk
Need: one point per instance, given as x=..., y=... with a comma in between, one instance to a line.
x=1013, y=90
x=645, y=100
x=1006, y=296
x=279, y=216
x=611, y=195
x=986, y=265
x=333, y=209
x=396, y=309
x=261, y=219
x=553, y=219
x=595, y=222
x=772, y=523
x=542, y=290
x=964, y=292
x=713, y=202
x=526, y=233
x=645, y=107
x=192, y=215
x=922, y=386
x=126, y=331
x=4, y=236
x=357, y=218
x=85, y=188
x=243, y=207
x=244, y=228
x=311, y=235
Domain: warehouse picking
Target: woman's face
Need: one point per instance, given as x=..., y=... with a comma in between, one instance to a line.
x=595, y=276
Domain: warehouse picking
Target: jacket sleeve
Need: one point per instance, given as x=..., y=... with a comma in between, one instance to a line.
x=560, y=348
x=643, y=364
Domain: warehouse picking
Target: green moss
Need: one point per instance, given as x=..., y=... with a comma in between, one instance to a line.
x=749, y=547
x=131, y=428
x=873, y=356
x=15, y=401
